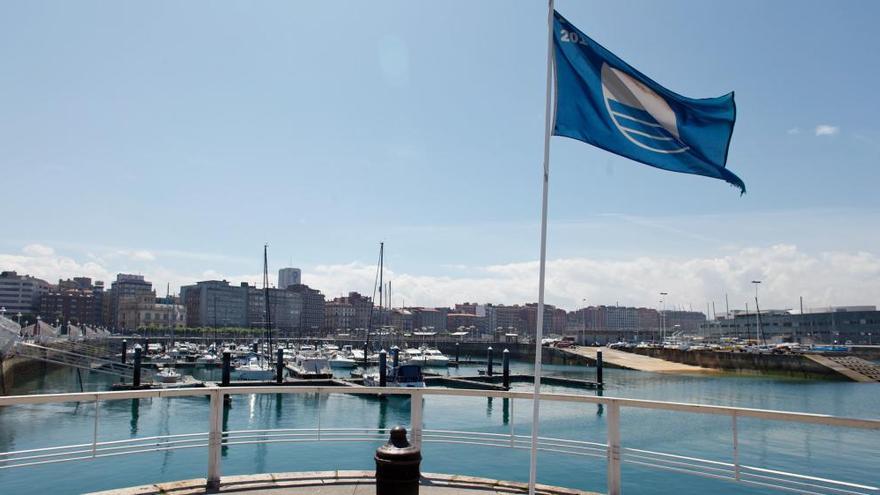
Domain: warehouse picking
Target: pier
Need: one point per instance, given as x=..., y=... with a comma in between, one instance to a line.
x=342, y=483
x=630, y=361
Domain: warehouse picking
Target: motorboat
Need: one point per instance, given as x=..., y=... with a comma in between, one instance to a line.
x=208, y=358
x=405, y=375
x=339, y=361
x=433, y=357
x=168, y=375
x=425, y=357
x=311, y=367
x=412, y=356
x=253, y=368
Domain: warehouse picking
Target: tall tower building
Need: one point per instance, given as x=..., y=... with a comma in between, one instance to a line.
x=288, y=277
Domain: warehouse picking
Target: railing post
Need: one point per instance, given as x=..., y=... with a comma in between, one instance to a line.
x=613, y=448
x=214, y=440
x=415, y=418
x=735, y=448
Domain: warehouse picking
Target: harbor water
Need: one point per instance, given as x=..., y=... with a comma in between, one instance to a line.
x=836, y=453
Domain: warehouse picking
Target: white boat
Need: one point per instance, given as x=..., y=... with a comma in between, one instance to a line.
x=409, y=354
x=311, y=366
x=208, y=358
x=405, y=375
x=433, y=357
x=163, y=358
x=253, y=369
x=425, y=357
x=338, y=361
x=168, y=375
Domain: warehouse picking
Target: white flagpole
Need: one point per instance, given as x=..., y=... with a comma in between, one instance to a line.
x=539, y=331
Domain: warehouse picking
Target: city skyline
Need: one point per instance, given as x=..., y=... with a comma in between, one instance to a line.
x=179, y=148
x=336, y=276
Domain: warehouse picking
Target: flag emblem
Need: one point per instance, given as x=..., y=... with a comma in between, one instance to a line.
x=603, y=101
x=639, y=113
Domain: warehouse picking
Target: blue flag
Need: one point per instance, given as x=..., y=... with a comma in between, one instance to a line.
x=603, y=101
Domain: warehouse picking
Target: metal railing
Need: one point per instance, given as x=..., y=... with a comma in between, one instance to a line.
x=612, y=450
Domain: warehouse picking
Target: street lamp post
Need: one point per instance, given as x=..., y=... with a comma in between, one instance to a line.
x=663, y=316
x=759, y=334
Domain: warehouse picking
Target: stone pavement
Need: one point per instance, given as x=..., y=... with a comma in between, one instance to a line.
x=339, y=483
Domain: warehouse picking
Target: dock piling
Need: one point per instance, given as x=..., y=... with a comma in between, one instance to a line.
x=395, y=357
x=489, y=361
x=505, y=369
x=599, y=368
x=227, y=364
x=136, y=378
x=124, y=349
x=383, y=365
x=279, y=367
x=457, y=352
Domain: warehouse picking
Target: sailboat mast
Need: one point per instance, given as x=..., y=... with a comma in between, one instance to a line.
x=266, y=296
x=381, y=283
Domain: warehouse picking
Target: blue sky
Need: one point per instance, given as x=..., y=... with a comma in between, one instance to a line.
x=175, y=138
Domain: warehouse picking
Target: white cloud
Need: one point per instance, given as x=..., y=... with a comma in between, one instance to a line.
x=827, y=130
x=794, y=130
x=823, y=279
x=37, y=250
x=42, y=262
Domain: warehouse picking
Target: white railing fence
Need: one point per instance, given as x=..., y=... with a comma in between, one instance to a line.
x=612, y=450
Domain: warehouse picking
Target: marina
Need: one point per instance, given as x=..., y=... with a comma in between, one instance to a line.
x=690, y=313
x=303, y=411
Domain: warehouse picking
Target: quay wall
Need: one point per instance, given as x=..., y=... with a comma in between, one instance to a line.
x=15, y=369
x=745, y=362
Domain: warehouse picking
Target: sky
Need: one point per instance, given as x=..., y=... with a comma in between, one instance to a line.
x=174, y=139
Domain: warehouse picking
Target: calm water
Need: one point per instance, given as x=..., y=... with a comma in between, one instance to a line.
x=821, y=451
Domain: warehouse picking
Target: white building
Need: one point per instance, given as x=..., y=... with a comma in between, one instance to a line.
x=21, y=293
x=288, y=277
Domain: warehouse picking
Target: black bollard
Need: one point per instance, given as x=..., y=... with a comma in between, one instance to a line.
x=256, y=347
x=395, y=357
x=383, y=368
x=227, y=365
x=124, y=349
x=505, y=369
x=366, y=355
x=599, y=368
x=136, y=378
x=489, y=360
x=398, y=465
x=457, y=352
x=279, y=367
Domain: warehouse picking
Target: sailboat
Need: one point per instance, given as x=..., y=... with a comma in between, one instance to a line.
x=255, y=366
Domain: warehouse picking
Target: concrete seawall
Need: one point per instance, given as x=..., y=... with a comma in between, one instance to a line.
x=744, y=362
x=15, y=367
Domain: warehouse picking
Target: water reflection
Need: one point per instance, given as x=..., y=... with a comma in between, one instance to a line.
x=227, y=405
x=135, y=415
x=383, y=413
